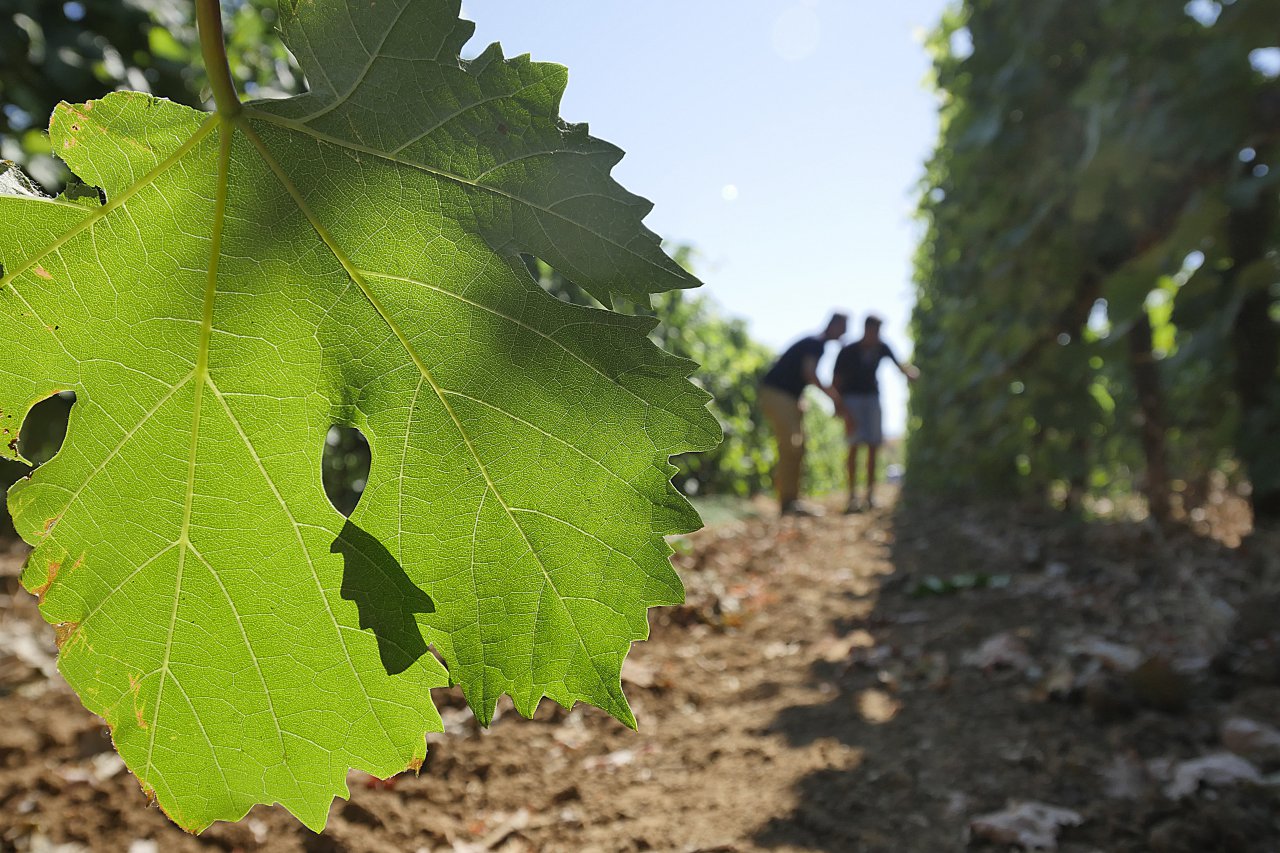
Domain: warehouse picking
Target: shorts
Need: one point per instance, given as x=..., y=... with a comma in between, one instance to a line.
x=865, y=409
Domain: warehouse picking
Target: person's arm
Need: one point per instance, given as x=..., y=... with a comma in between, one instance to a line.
x=908, y=370
x=811, y=376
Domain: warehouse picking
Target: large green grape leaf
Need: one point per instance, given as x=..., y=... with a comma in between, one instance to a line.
x=351, y=256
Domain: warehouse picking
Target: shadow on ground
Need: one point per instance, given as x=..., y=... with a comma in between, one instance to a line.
x=963, y=689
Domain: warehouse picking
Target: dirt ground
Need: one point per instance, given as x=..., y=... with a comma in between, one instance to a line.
x=877, y=682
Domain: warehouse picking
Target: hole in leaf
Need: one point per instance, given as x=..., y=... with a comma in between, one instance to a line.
x=45, y=427
x=345, y=467
x=550, y=280
x=41, y=438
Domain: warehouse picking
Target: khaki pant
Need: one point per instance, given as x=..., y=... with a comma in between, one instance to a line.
x=783, y=413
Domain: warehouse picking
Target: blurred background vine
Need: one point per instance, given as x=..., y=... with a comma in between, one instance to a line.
x=1099, y=277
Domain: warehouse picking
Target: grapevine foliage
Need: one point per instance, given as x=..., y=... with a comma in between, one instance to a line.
x=1088, y=151
x=350, y=256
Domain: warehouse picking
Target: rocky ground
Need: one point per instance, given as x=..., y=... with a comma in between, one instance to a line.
x=932, y=680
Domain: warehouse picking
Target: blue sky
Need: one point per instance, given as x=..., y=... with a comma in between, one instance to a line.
x=782, y=138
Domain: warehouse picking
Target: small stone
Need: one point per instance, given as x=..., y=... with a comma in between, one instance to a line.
x=1157, y=685
x=1251, y=739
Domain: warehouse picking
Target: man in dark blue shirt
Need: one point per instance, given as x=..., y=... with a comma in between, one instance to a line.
x=780, y=393
x=855, y=380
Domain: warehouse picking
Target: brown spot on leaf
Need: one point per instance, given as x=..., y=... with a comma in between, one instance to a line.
x=43, y=273
x=416, y=766
x=49, y=525
x=65, y=632
x=53, y=574
x=135, y=687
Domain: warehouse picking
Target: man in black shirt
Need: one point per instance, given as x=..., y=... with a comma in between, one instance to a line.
x=855, y=380
x=780, y=393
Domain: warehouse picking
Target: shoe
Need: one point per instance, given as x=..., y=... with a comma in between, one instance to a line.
x=800, y=510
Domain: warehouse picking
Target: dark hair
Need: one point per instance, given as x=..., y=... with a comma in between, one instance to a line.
x=874, y=322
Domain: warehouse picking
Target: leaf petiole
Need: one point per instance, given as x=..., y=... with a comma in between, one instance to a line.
x=214, y=49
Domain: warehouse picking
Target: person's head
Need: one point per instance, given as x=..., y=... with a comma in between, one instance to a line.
x=871, y=331
x=836, y=327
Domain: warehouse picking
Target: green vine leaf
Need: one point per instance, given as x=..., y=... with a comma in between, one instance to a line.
x=352, y=256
